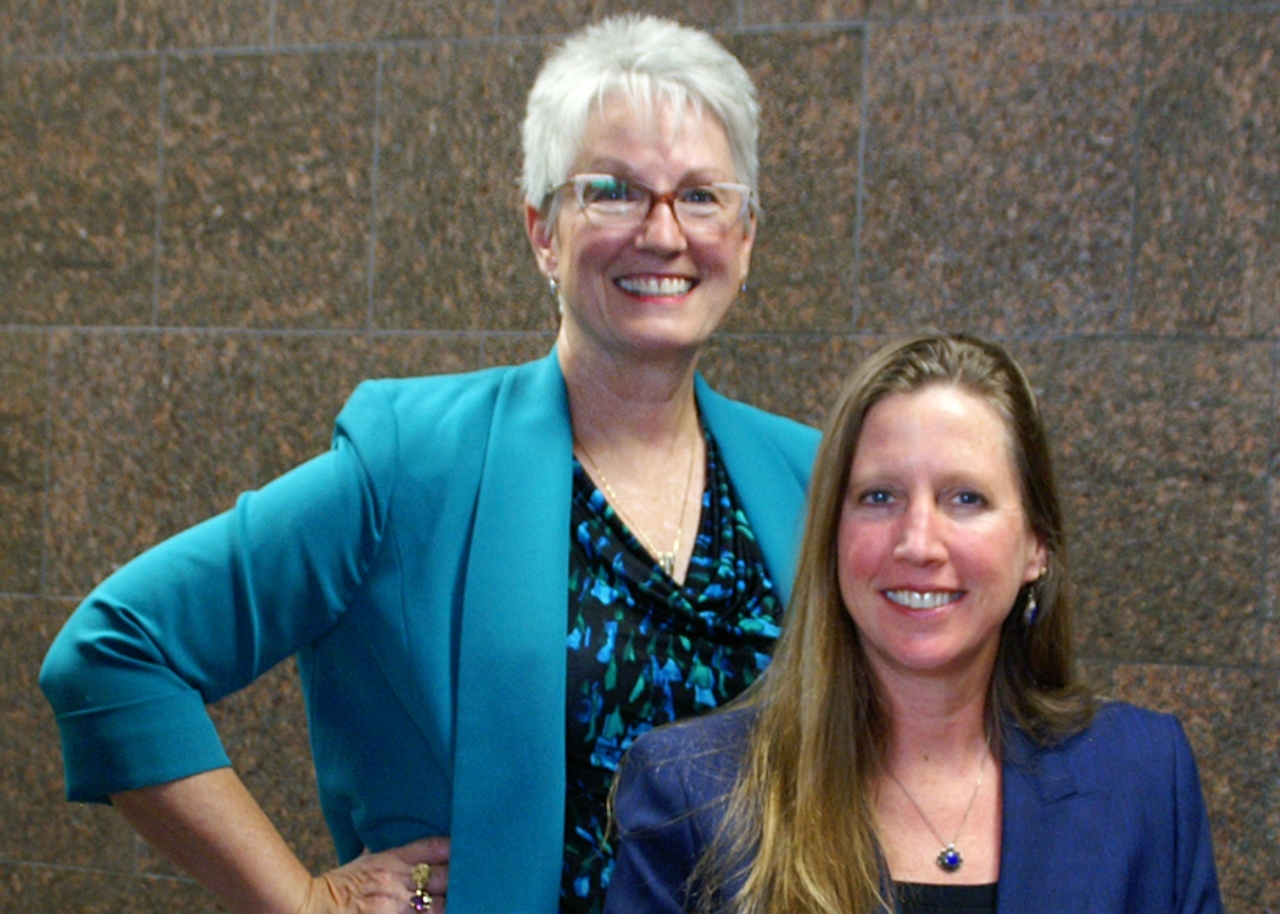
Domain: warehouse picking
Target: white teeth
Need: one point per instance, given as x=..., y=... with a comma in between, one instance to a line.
x=653, y=285
x=913, y=599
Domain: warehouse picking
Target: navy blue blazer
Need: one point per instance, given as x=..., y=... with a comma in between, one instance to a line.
x=1110, y=821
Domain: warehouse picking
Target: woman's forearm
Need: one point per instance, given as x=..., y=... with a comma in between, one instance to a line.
x=211, y=827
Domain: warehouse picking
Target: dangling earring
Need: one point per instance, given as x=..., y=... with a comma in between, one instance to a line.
x=743, y=288
x=554, y=288
x=1032, y=607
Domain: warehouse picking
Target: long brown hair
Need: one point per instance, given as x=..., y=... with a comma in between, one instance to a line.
x=799, y=833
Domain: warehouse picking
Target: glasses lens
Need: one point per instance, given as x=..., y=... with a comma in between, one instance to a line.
x=612, y=200
x=711, y=207
x=616, y=202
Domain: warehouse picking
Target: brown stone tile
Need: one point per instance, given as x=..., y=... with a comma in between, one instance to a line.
x=78, y=190
x=43, y=889
x=1161, y=451
x=810, y=85
x=132, y=25
x=268, y=190
x=792, y=376
x=23, y=447
x=791, y=11
x=98, y=446
x=782, y=12
x=1033, y=7
x=451, y=247
x=30, y=27
x=1127, y=408
x=998, y=188
x=302, y=382
x=39, y=822
x=553, y=17
x=1097, y=675
x=1273, y=570
x=1208, y=205
x=161, y=436
x=413, y=355
x=202, y=391
x=326, y=21
x=1232, y=718
x=1168, y=569
x=515, y=349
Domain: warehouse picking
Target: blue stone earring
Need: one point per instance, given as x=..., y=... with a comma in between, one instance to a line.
x=1031, y=608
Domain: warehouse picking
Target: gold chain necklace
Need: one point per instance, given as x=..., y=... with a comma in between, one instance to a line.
x=666, y=560
x=948, y=858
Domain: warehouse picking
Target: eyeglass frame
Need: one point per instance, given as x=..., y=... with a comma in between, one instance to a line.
x=577, y=182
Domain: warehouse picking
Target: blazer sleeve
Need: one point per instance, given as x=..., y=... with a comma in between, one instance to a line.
x=1196, y=891
x=209, y=610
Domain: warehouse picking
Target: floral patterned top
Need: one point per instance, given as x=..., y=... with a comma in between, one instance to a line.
x=644, y=651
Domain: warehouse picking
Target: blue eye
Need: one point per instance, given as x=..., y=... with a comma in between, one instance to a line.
x=876, y=497
x=970, y=500
x=611, y=190
x=700, y=196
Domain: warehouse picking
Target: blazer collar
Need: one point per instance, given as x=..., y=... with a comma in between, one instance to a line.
x=774, y=503
x=509, y=732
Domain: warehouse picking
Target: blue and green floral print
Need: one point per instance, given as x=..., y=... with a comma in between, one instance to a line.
x=644, y=651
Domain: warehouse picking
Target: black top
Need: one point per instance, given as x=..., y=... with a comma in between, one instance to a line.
x=922, y=898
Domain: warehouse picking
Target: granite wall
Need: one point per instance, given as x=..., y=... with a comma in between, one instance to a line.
x=218, y=215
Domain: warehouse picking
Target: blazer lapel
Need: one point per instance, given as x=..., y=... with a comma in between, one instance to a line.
x=772, y=500
x=1052, y=830
x=509, y=774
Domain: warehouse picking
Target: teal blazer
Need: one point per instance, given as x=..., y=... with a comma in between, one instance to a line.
x=419, y=570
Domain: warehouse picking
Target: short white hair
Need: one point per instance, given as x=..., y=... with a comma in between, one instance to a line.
x=644, y=59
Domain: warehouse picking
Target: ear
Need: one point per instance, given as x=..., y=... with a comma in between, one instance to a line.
x=541, y=238
x=1037, y=561
x=748, y=242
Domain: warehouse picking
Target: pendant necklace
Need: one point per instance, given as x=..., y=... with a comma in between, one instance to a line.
x=666, y=560
x=949, y=858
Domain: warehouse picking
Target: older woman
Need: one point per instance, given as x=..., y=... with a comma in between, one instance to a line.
x=429, y=570
x=919, y=743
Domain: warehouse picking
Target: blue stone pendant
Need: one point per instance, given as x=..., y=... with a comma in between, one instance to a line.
x=949, y=858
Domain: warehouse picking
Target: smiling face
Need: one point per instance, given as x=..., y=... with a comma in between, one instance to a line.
x=654, y=288
x=933, y=542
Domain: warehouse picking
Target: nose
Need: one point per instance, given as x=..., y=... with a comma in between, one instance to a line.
x=661, y=229
x=919, y=541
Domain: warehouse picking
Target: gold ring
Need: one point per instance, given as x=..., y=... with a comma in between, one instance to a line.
x=420, y=899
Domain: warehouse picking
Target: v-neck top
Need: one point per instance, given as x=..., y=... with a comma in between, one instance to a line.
x=644, y=650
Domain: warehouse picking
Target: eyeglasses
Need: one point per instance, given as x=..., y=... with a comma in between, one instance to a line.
x=624, y=203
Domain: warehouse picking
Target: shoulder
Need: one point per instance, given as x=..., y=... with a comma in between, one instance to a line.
x=672, y=792
x=717, y=737
x=446, y=415
x=1123, y=732
x=1124, y=746
x=1112, y=817
x=688, y=763
x=423, y=398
